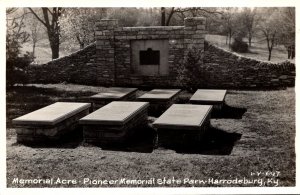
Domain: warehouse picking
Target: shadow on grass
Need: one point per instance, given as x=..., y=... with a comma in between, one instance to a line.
x=214, y=142
x=229, y=112
x=69, y=140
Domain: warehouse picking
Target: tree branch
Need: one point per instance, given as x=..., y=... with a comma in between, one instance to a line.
x=37, y=17
x=50, y=11
x=19, y=16
x=170, y=16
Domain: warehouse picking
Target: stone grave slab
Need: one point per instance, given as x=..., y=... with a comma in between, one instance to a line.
x=51, y=122
x=182, y=122
x=113, y=94
x=114, y=122
x=159, y=99
x=209, y=97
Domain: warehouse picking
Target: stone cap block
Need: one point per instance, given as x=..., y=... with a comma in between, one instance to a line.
x=115, y=113
x=52, y=114
x=159, y=95
x=208, y=96
x=114, y=93
x=183, y=117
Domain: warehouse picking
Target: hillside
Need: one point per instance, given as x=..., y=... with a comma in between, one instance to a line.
x=258, y=50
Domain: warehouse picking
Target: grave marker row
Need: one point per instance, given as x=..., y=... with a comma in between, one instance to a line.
x=117, y=120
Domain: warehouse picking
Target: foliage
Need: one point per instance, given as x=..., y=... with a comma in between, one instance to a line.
x=190, y=71
x=15, y=37
x=78, y=25
x=16, y=69
x=15, y=33
x=176, y=15
x=239, y=45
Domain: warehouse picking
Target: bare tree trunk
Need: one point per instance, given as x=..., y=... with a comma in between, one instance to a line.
x=270, y=52
x=226, y=39
x=33, y=49
x=163, y=16
x=54, y=44
x=229, y=40
x=250, y=39
x=170, y=16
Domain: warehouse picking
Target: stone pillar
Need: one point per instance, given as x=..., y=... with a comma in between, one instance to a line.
x=105, y=51
x=194, y=33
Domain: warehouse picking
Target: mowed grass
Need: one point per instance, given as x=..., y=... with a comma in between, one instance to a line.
x=267, y=144
x=258, y=50
x=43, y=52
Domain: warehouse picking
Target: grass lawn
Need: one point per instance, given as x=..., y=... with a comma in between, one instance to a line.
x=263, y=140
x=43, y=52
x=258, y=50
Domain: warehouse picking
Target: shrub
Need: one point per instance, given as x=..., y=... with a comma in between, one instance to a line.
x=239, y=45
x=190, y=71
x=16, y=69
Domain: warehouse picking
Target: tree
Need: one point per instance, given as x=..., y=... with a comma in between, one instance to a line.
x=125, y=16
x=163, y=16
x=248, y=17
x=149, y=17
x=229, y=23
x=51, y=22
x=35, y=30
x=270, y=28
x=78, y=24
x=168, y=13
x=287, y=35
x=15, y=37
x=191, y=74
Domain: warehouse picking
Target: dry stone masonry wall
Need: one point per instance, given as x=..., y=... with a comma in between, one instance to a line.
x=223, y=69
x=115, y=60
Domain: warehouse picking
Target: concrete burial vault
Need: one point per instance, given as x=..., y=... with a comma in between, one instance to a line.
x=209, y=97
x=113, y=94
x=182, y=121
x=159, y=99
x=115, y=122
x=50, y=122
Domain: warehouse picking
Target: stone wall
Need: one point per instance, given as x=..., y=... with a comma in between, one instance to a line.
x=79, y=67
x=108, y=62
x=223, y=69
x=115, y=57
